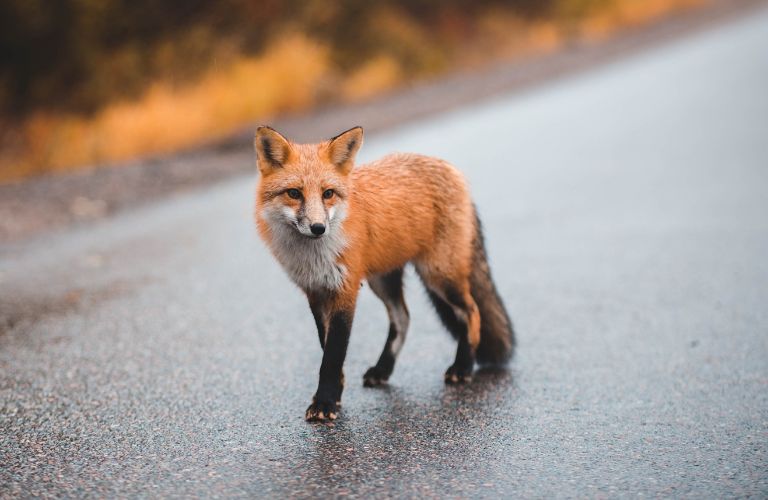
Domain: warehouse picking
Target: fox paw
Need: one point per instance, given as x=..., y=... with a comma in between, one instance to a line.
x=458, y=375
x=375, y=376
x=322, y=411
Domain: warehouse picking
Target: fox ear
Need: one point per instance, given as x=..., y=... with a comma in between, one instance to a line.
x=343, y=148
x=272, y=149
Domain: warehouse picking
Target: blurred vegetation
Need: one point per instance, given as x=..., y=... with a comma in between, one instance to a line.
x=92, y=81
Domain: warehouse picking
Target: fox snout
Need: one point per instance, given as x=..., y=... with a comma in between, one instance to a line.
x=310, y=228
x=309, y=219
x=314, y=218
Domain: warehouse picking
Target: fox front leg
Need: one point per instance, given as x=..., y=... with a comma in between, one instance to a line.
x=326, y=400
x=333, y=315
x=319, y=305
x=320, y=313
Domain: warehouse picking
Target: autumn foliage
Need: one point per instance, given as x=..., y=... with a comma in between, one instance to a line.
x=89, y=82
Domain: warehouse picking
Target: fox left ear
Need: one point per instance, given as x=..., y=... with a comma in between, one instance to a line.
x=343, y=148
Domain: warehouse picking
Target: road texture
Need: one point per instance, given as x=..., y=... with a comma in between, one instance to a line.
x=162, y=352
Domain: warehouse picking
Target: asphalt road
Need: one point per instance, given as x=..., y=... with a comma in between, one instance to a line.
x=162, y=352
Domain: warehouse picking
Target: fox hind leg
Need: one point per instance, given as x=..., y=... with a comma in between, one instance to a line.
x=389, y=288
x=459, y=313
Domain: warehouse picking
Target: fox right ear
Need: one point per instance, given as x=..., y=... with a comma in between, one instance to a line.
x=272, y=149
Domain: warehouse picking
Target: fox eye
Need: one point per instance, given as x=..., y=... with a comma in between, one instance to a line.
x=294, y=193
x=328, y=194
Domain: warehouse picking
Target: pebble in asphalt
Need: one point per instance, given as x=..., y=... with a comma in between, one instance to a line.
x=163, y=352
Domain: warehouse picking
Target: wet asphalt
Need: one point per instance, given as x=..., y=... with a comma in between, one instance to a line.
x=163, y=353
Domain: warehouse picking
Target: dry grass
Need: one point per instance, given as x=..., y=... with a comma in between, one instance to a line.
x=502, y=35
x=378, y=76
x=291, y=75
x=626, y=13
x=285, y=78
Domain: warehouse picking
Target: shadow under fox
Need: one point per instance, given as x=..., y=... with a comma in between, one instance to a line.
x=331, y=226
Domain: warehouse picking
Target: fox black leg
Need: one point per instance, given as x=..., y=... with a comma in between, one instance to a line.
x=458, y=313
x=318, y=312
x=389, y=288
x=317, y=305
x=325, y=402
x=465, y=310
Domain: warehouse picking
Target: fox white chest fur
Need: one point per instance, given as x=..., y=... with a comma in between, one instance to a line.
x=311, y=263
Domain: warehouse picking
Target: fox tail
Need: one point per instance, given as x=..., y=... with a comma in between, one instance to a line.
x=497, y=336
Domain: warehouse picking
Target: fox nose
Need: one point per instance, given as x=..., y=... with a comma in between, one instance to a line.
x=317, y=229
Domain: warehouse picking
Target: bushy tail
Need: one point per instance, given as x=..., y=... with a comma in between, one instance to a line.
x=497, y=337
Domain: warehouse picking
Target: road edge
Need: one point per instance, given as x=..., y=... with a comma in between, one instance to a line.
x=56, y=201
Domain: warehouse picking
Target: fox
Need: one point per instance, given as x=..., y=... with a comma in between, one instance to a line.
x=333, y=225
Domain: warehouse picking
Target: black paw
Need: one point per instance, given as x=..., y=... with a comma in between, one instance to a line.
x=458, y=375
x=322, y=411
x=375, y=376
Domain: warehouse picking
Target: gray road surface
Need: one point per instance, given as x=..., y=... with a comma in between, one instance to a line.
x=163, y=352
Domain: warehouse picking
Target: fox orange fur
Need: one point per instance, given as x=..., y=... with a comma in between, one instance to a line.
x=331, y=226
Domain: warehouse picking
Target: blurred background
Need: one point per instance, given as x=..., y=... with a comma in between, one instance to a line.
x=151, y=346
x=94, y=82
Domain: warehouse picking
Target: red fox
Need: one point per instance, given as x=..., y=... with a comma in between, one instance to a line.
x=331, y=226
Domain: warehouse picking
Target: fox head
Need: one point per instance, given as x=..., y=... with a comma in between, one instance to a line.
x=305, y=186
